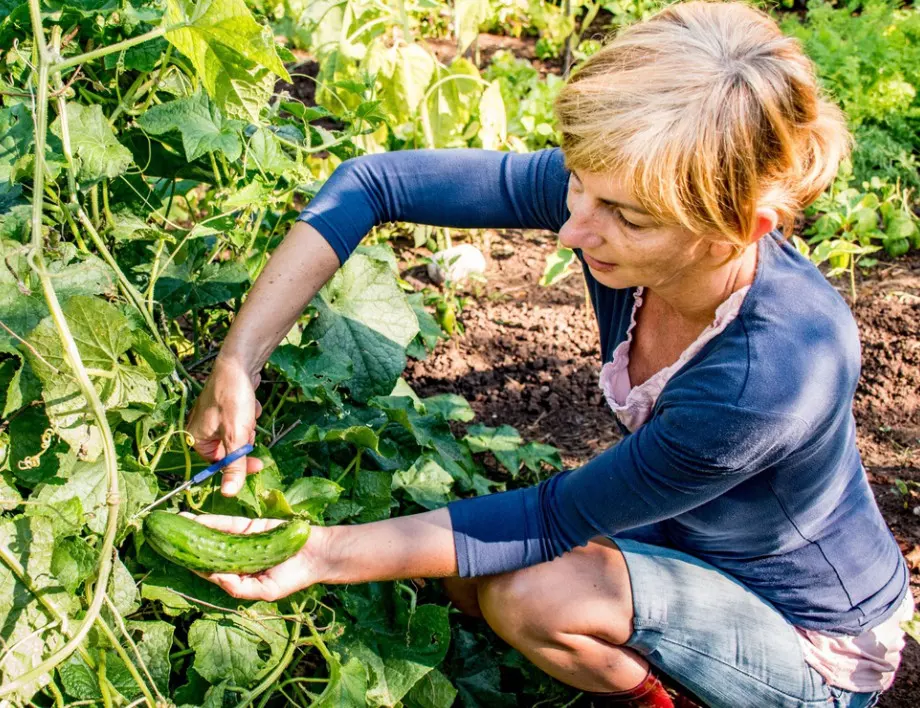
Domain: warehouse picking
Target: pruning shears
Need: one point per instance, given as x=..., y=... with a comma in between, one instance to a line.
x=206, y=473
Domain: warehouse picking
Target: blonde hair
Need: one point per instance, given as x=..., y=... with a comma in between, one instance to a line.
x=706, y=111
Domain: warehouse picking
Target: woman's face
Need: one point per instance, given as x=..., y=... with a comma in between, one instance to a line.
x=621, y=243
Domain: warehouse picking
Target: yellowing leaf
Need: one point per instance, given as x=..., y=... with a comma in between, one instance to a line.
x=227, y=47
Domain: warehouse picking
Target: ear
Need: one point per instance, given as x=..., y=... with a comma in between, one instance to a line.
x=765, y=221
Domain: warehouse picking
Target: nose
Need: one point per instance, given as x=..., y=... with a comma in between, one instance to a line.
x=578, y=233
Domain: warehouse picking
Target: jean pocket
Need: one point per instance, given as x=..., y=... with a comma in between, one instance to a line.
x=848, y=699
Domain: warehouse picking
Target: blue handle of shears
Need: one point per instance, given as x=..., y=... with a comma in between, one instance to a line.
x=220, y=464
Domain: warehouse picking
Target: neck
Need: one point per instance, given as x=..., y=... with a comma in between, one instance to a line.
x=697, y=294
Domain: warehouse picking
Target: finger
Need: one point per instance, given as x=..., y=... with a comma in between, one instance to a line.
x=253, y=465
x=234, y=475
x=234, y=524
x=258, y=408
x=244, y=587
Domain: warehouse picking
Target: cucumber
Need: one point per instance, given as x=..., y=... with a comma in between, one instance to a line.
x=193, y=545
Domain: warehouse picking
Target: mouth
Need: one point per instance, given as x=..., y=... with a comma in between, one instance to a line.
x=595, y=264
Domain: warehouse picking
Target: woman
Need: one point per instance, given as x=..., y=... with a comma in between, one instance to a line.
x=731, y=539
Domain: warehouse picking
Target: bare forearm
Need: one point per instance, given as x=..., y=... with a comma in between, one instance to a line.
x=417, y=546
x=298, y=268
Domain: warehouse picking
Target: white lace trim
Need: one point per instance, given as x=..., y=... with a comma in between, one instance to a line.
x=635, y=407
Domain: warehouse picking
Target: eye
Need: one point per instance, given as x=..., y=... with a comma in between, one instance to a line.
x=624, y=221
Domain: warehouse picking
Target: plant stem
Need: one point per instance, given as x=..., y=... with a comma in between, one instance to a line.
x=110, y=49
x=72, y=356
x=271, y=679
x=164, y=64
x=123, y=655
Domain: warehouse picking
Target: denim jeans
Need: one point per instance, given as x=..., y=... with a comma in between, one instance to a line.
x=717, y=638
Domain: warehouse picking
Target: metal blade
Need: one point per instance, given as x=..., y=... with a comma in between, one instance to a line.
x=181, y=488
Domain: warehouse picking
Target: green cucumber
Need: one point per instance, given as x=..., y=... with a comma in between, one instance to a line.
x=193, y=545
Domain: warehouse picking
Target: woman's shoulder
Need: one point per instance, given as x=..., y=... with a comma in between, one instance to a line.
x=794, y=348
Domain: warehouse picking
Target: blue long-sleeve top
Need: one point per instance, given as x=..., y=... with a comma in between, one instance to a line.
x=749, y=459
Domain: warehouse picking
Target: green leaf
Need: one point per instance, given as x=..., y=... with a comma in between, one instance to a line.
x=265, y=149
x=559, y=265
x=227, y=47
x=434, y=690
x=141, y=57
x=449, y=406
x=476, y=674
x=21, y=300
x=426, y=482
x=30, y=460
x=536, y=454
x=225, y=651
x=122, y=592
x=72, y=562
x=347, y=685
x=97, y=152
x=24, y=387
x=203, y=127
x=311, y=495
x=10, y=497
x=468, y=15
x=505, y=443
x=66, y=516
x=482, y=438
x=166, y=581
x=364, y=316
x=88, y=483
x=372, y=491
x=153, y=640
x=24, y=623
x=432, y=432
x=103, y=335
x=154, y=647
x=430, y=332
x=16, y=138
x=181, y=289
x=231, y=647
x=396, y=652
x=316, y=371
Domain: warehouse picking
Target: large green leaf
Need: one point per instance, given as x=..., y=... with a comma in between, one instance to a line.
x=16, y=137
x=317, y=372
x=153, y=640
x=103, y=335
x=26, y=627
x=181, y=287
x=426, y=482
x=137, y=487
x=233, y=54
x=203, y=127
x=364, y=316
x=236, y=648
x=21, y=300
x=347, y=685
x=95, y=148
x=31, y=460
x=434, y=690
x=398, y=645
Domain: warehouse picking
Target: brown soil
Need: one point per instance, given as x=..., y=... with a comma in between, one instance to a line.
x=530, y=358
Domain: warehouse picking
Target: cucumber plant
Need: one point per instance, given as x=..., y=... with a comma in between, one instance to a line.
x=147, y=170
